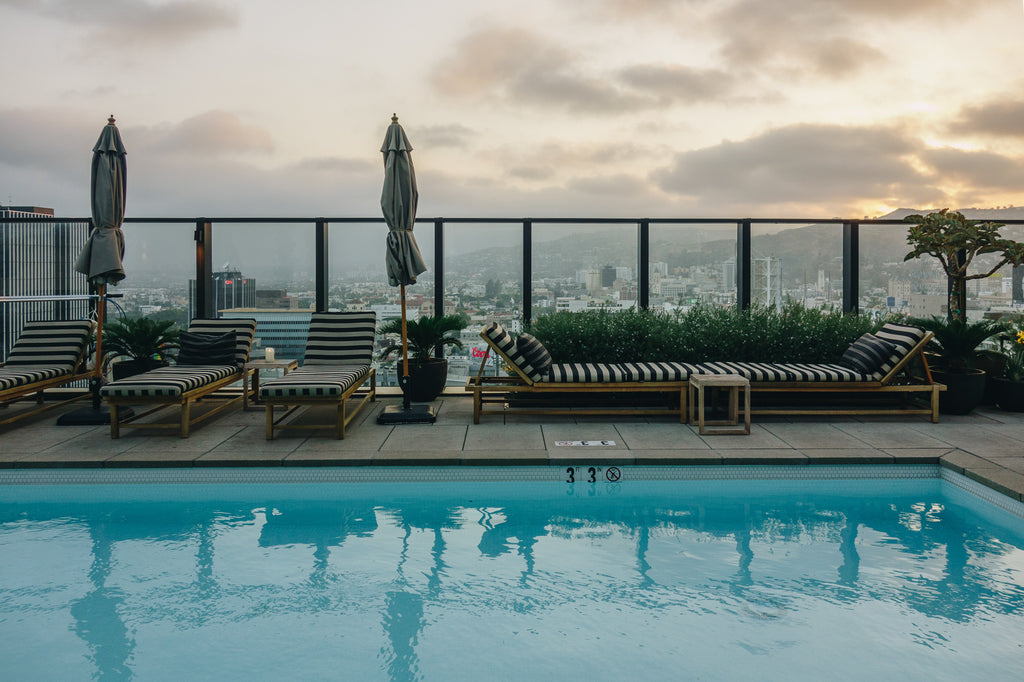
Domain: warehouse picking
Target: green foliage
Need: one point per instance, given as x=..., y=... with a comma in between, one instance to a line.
x=955, y=242
x=958, y=340
x=428, y=336
x=139, y=338
x=701, y=334
x=1014, y=367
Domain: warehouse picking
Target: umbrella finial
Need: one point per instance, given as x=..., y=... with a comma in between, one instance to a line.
x=394, y=118
x=110, y=121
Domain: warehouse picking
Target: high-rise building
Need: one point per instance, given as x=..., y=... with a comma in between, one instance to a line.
x=231, y=289
x=37, y=259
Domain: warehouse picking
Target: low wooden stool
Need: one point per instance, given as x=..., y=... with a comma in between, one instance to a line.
x=733, y=382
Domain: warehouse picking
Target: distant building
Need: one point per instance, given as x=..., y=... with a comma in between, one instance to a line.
x=285, y=330
x=231, y=289
x=927, y=305
x=1018, y=284
x=608, y=276
x=276, y=298
x=899, y=291
x=37, y=259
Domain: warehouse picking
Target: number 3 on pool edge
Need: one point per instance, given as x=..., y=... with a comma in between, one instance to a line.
x=572, y=475
x=593, y=475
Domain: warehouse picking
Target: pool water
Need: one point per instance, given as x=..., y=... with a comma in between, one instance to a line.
x=720, y=580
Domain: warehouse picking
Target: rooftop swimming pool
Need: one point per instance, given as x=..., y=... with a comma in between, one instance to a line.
x=471, y=573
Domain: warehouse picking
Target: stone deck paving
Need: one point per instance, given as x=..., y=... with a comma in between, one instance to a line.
x=987, y=446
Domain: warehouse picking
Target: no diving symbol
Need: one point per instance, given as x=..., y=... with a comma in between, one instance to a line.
x=612, y=474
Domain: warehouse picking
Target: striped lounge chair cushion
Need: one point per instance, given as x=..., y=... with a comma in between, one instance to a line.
x=658, y=371
x=244, y=329
x=169, y=382
x=12, y=377
x=503, y=341
x=536, y=357
x=315, y=381
x=754, y=371
x=341, y=339
x=867, y=354
x=904, y=337
x=822, y=372
x=50, y=344
x=585, y=372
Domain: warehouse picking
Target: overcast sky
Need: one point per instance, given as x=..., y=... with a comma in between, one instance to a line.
x=632, y=108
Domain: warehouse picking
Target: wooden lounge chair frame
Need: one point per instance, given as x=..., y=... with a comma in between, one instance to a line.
x=326, y=340
x=185, y=400
x=80, y=372
x=489, y=390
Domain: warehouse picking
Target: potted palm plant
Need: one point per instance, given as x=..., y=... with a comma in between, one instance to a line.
x=1010, y=391
x=138, y=344
x=957, y=351
x=428, y=337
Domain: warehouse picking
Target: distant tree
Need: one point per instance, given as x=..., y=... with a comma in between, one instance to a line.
x=492, y=289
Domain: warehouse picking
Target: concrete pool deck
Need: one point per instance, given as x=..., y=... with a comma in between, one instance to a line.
x=987, y=446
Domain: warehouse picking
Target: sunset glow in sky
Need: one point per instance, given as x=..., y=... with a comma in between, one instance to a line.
x=632, y=108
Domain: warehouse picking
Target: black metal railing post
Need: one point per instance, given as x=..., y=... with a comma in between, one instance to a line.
x=643, y=275
x=527, y=271
x=322, y=266
x=743, y=264
x=851, y=268
x=439, y=266
x=204, y=268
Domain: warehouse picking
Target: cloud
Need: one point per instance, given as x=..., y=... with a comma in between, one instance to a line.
x=518, y=66
x=801, y=163
x=134, y=21
x=452, y=135
x=998, y=118
x=209, y=133
x=979, y=171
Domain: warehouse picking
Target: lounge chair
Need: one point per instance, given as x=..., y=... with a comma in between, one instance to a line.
x=534, y=373
x=336, y=367
x=184, y=384
x=890, y=375
x=47, y=354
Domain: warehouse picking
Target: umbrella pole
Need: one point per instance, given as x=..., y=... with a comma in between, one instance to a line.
x=101, y=314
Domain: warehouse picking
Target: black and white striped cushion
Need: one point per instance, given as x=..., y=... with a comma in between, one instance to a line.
x=244, y=328
x=867, y=354
x=12, y=377
x=341, y=338
x=822, y=372
x=657, y=371
x=585, y=372
x=536, y=358
x=754, y=371
x=904, y=337
x=315, y=381
x=50, y=343
x=502, y=340
x=167, y=381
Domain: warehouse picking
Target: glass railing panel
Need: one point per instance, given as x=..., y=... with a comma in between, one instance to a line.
x=267, y=271
x=584, y=267
x=483, y=280
x=692, y=264
x=801, y=263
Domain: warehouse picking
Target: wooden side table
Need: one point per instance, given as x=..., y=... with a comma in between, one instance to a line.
x=255, y=366
x=734, y=383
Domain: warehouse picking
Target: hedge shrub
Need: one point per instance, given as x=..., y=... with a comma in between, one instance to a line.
x=701, y=334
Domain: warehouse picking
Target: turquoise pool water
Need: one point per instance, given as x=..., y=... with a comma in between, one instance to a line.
x=837, y=578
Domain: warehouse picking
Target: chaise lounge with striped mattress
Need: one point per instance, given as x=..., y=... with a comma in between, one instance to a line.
x=876, y=364
x=47, y=354
x=213, y=355
x=336, y=367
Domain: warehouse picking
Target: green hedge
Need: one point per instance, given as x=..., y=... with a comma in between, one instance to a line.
x=701, y=334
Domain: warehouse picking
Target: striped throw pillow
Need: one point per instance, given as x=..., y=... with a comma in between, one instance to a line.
x=537, y=357
x=207, y=349
x=867, y=354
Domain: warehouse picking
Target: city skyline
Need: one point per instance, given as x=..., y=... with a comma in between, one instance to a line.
x=615, y=107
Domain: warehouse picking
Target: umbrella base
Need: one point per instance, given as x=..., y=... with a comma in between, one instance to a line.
x=414, y=414
x=90, y=416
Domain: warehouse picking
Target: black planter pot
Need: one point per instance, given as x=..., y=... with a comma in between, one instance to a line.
x=129, y=368
x=964, y=390
x=1010, y=394
x=426, y=379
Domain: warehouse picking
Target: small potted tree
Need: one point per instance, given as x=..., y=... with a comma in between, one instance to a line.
x=1010, y=392
x=428, y=337
x=138, y=344
x=956, y=242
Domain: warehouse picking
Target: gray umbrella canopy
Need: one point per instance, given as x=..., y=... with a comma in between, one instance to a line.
x=100, y=260
x=398, y=201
